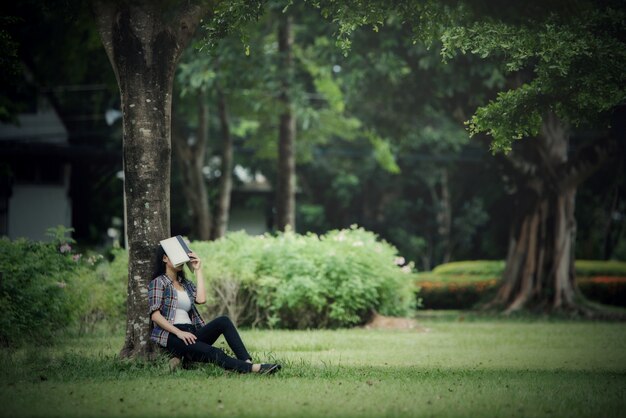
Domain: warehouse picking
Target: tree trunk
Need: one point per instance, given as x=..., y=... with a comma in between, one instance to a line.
x=286, y=181
x=226, y=179
x=539, y=271
x=439, y=188
x=191, y=158
x=143, y=45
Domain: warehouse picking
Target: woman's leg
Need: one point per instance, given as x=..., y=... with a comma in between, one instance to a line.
x=223, y=326
x=203, y=352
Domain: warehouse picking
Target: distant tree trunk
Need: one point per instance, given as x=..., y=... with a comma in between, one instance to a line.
x=612, y=229
x=439, y=189
x=286, y=184
x=226, y=179
x=539, y=271
x=191, y=158
x=143, y=43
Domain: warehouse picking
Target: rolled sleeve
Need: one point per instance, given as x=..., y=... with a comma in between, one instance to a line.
x=155, y=295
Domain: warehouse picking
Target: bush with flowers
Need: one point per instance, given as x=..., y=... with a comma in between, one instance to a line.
x=47, y=286
x=306, y=281
x=34, y=299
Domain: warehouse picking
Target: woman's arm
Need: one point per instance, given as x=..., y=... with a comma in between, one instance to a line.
x=197, y=269
x=159, y=319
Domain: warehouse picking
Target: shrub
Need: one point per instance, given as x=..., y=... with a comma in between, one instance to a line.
x=462, y=284
x=34, y=298
x=459, y=295
x=101, y=289
x=305, y=281
x=607, y=290
x=494, y=268
x=612, y=268
x=46, y=287
x=484, y=268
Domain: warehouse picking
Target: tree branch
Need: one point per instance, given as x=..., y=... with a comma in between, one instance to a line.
x=587, y=160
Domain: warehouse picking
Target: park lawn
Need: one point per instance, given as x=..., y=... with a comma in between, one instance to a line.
x=482, y=367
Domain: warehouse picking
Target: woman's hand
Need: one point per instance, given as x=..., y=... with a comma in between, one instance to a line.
x=196, y=263
x=187, y=337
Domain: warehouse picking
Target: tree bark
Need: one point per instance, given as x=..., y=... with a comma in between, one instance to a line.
x=143, y=45
x=191, y=158
x=539, y=271
x=226, y=179
x=286, y=181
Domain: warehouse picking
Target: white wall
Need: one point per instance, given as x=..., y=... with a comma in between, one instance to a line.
x=35, y=208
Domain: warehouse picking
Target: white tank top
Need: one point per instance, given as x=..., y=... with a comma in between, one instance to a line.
x=182, y=310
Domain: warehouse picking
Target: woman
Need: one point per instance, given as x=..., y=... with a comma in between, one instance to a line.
x=178, y=326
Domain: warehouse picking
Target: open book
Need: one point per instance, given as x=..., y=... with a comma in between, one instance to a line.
x=176, y=249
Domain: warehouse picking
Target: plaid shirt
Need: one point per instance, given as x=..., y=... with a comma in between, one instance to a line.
x=162, y=297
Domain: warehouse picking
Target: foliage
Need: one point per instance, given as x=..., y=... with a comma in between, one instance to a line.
x=486, y=268
x=46, y=287
x=102, y=291
x=603, y=289
x=612, y=268
x=34, y=297
x=306, y=281
x=462, y=294
x=494, y=268
x=463, y=284
x=569, y=64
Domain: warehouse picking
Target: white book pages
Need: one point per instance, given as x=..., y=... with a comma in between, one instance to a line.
x=176, y=250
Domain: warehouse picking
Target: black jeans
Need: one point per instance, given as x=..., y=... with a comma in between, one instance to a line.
x=202, y=350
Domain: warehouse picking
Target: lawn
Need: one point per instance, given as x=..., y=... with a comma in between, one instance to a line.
x=474, y=367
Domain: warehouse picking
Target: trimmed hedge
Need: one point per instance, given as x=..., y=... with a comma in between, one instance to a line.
x=483, y=268
x=607, y=290
x=459, y=295
x=462, y=284
x=494, y=268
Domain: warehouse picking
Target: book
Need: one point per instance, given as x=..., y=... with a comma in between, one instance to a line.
x=176, y=249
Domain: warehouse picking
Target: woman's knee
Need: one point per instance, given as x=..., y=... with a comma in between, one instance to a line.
x=224, y=320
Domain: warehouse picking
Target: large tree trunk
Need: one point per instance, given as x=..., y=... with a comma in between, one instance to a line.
x=286, y=181
x=226, y=179
x=143, y=45
x=539, y=270
x=191, y=158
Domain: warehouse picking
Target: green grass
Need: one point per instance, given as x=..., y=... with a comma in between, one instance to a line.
x=478, y=367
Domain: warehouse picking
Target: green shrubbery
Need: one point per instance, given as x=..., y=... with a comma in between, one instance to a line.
x=462, y=284
x=289, y=281
x=485, y=269
x=310, y=281
x=45, y=287
x=34, y=299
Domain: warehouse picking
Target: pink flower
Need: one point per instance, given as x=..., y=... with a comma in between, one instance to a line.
x=65, y=248
x=76, y=257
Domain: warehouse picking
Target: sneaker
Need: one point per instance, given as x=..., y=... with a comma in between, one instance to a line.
x=269, y=368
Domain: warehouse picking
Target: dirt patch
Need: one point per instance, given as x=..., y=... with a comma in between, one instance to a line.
x=391, y=322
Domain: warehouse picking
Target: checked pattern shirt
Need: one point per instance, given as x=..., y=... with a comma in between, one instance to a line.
x=162, y=297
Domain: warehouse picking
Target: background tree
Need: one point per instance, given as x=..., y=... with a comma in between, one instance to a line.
x=286, y=184
x=566, y=63
x=567, y=70
x=412, y=175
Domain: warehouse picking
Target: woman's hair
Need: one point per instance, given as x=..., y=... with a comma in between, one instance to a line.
x=159, y=265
